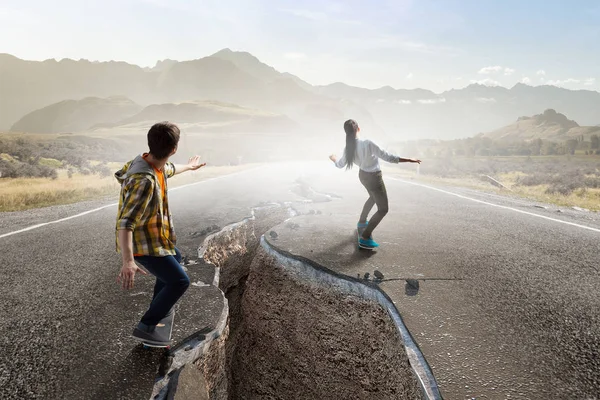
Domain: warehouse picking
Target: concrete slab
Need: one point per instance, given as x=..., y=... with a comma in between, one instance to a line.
x=469, y=354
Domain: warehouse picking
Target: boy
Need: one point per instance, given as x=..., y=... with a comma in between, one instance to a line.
x=144, y=229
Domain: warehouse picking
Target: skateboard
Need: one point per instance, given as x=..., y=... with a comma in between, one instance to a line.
x=358, y=233
x=165, y=324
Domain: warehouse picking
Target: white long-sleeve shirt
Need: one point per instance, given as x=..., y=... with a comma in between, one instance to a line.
x=367, y=156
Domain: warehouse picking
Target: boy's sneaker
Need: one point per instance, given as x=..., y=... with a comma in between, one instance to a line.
x=369, y=243
x=151, y=335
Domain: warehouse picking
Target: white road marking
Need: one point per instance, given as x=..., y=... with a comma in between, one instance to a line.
x=115, y=204
x=499, y=206
x=56, y=221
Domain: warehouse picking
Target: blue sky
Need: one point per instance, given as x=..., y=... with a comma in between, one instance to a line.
x=436, y=45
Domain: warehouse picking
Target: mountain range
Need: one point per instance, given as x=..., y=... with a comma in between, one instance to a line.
x=241, y=79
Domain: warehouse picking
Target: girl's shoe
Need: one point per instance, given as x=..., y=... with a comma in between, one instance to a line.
x=360, y=227
x=368, y=243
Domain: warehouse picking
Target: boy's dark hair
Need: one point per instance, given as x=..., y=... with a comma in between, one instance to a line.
x=163, y=138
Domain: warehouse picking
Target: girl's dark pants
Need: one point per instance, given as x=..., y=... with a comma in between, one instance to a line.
x=373, y=182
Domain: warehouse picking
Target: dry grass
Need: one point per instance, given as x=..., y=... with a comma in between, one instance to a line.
x=25, y=193
x=588, y=198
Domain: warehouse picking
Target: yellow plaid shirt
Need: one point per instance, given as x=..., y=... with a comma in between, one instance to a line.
x=143, y=209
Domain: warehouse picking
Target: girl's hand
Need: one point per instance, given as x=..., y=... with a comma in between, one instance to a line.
x=333, y=158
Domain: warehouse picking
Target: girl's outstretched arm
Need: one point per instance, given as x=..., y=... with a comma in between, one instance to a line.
x=384, y=155
x=400, y=159
x=341, y=162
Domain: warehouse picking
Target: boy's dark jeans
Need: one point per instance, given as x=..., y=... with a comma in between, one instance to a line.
x=373, y=182
x=171, y=284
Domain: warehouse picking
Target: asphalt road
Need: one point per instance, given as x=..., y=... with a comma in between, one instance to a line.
x=507, y=303
x=514, y=314
x=64, y=321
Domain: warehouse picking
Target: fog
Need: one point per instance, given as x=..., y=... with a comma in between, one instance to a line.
x=469, y=267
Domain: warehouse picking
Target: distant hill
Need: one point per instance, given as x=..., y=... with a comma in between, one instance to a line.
x=227, y=76
x=240, y=78
x=253, y=66
x=210, y=116
x=31, y=85
x=76, y=115
x=550, y=125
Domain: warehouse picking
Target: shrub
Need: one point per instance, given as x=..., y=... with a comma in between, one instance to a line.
x=564, y=188
x=533, y=180
x=592, y=182
x=17, y=169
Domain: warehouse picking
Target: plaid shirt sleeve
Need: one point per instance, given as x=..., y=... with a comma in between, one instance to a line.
x=137, y=196
x=169, y=169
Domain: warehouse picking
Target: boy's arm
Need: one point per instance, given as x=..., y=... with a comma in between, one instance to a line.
x=137, y=198
x=127, y=274
x=192, y=165
x=138, y=193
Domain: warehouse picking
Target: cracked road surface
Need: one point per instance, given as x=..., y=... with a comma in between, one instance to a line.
x=522, y=323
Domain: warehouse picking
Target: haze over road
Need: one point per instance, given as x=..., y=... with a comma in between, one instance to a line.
x=527, y=294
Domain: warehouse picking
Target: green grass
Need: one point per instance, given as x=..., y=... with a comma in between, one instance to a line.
x=50, y=162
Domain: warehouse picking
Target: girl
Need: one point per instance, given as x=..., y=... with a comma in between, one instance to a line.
x=366, y=154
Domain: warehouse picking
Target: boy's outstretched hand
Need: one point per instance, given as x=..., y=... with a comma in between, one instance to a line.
x=194, y=163
x=416, y=161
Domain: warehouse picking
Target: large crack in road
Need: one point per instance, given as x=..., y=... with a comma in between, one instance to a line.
x=293, y=330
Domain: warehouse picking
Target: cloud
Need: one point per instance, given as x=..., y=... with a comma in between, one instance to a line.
x=541, y=72
x=410, y=76
x=525, y=80
x=319, y=16
x=312, y=15
x=486, y=82
x=294, y=56
x=485, y=100
x=401, y=42
x=496, y=69
x=403, y=101
x=571, y=81
x=432, y=101
x=567, y=81
x=490, y=70
x=21, y=16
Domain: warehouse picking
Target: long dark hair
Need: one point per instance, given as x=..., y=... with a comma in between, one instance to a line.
x=351, y=127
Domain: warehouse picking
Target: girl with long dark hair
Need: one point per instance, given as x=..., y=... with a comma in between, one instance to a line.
x=366, y=154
